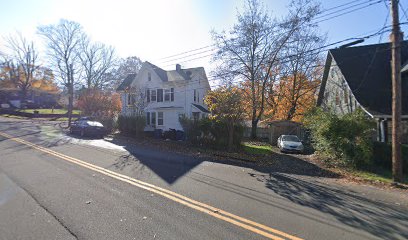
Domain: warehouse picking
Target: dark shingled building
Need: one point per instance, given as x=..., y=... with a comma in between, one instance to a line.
x=360, y=77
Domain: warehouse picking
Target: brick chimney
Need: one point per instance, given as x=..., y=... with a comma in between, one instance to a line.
x=178, y=67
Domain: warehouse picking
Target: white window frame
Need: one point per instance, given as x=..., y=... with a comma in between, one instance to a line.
x=160, y=118
x=167, y=95
x=153, y=119
x=153, y=95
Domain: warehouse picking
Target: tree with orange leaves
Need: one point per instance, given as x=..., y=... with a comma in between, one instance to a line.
x=295, y=96
x=251, y=50
x=99, y=104
x=225, y=104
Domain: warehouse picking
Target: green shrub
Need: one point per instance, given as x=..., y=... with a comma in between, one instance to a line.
x=209, y=132
x=345, y=140
x=382, y=156
x=108, y=122
x=131, y=125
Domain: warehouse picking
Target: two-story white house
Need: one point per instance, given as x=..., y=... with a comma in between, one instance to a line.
x=164, y=96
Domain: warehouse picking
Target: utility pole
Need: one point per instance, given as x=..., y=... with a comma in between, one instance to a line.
x=395, y=37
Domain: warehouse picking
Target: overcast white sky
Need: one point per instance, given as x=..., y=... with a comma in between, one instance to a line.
x=156, y=29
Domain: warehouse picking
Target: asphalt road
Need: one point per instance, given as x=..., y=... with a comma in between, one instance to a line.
x=54, y=186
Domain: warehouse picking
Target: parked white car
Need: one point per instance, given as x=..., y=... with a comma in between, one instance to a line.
x=290, y=143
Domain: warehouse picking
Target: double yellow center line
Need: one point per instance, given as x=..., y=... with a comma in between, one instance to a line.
x=199, y=206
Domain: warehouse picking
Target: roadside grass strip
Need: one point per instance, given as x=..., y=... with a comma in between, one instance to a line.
x=244, y=223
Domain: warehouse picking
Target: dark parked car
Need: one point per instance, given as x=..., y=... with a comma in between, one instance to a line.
x=85, y=127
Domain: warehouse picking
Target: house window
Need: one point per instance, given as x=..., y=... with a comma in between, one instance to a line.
x=148, y=95
x=172, y=94
x=167, y=94
x=198, y=96
x=149, y=76
x=160, y=118
x=148, y=118
x=195, y=95
x=153, y=119
x=159, y=95
x=131, y=99
x=153, y=95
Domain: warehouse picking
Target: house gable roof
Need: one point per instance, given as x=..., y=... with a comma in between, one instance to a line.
x=367, y=70
x=201, y=108
x=160, y=72
x=167, y=76
x=126, y=83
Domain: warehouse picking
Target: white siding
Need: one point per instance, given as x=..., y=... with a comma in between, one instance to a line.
x=183, y=96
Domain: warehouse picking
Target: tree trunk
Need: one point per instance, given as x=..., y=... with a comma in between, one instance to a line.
x=23, y=94
x=70, y=93
x=254, y=127
x=70, y=102
x=230, y=137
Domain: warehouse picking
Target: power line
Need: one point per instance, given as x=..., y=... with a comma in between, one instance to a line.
x=193, y=50
x=403, y=11
x=374, y=56
x=194, y=54
x=349, y=7
x=354, y=10
x=342, y=5
x=287, y=31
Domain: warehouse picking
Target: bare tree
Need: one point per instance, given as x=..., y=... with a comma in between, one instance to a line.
x=137, y=97
x=63, y=40
x=301, y=66
x=97, y=60
x=9, y=73
x=22, y=63
x=126, y=66
x=251, y=49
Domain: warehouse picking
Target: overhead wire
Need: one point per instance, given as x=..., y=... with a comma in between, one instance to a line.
x=205, y=56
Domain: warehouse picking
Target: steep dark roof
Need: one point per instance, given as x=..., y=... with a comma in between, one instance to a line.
x=160, y=72
x=367, y=70
x=201, y=108
x=126, y=83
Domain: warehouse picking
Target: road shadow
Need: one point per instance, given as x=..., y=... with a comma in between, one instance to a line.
x=170, y=166
x=293, y=164
x=379, y=219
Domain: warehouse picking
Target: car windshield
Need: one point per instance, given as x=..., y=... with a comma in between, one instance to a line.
x=94, y=124
x=290, y=138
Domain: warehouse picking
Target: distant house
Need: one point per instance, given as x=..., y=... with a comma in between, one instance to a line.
x=164, y=96
x=34, y=98
x=360, y=77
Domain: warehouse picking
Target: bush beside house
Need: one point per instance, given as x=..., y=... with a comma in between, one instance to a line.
x=209, y=132
x=382, y=156
x=345, y=140
x=131, y=125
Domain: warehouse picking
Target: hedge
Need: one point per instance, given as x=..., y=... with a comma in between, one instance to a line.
x=132, y=125
x=382, y=156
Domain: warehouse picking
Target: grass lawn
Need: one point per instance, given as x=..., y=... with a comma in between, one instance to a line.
x=255, y=149
x=380, y=175
x=12, y=116
x=49, y=111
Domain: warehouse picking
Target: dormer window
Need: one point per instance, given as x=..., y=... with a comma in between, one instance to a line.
x=149, y=76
